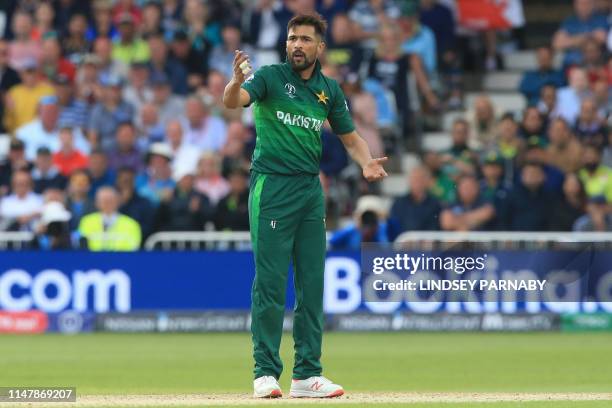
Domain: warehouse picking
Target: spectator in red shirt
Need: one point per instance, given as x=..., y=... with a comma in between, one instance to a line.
x=43, y=20
x=68, y=159
x=52, y=62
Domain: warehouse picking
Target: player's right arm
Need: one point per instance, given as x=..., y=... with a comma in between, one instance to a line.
x=234, y=96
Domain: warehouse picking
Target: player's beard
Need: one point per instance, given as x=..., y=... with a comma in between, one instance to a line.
x=305, y=61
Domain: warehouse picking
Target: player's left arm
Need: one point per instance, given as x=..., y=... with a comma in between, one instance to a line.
x=359, y=151
x=342, y=124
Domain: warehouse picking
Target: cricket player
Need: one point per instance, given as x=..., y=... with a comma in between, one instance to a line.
x=291, y=101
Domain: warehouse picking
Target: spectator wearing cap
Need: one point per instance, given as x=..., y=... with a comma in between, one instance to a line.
x=575, y=30
x=529, y=201
x=19, y=210
x=52, y=61
x=44, y=130
x=156, y=182
x=596, y=177
x=194, y=59
x=417, y=38
x=533, y=81
x=44, y=174
x=108, y=113
x=460, y=149
x=470, y=212
x=209, y=180
x=367, y=16
x=22, y=100
x=149, y=128
x=73, y=111
x=53, y=232
x=68, y=158
x=107, y=229
x=570, y=207
x=232, y=213
x=418, y=210
x=369, y=225
x=129, y=48
x=570, y=97
x=598, y=216
x=509, y=144
x=15, y=161
x=126, y=152
x=125, y=8
x=78, y=202
x=102, y=25
x=22, y=47
x=564, y=151
x=589, y=126
x=494, y=188
x=75, y=43
x=185, y=209
x=222, y=55
x=169, y=106
x=163, y=63
x=100, y=173
x=133, y=204
x=200, y=129
x=137, y=91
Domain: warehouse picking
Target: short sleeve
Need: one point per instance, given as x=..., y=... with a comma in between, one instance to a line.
x=339, y=116
x=256, y=86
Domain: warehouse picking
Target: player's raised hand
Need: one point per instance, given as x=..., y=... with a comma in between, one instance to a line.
x=241, y=65
x=374, y=170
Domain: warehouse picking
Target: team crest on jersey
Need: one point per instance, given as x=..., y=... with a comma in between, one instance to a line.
x=322, y=97
x=290, y=90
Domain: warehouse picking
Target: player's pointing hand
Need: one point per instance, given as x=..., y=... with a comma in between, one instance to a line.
x=241, y=65
x=374, y=170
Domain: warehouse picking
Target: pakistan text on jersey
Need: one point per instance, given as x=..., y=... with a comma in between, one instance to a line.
x=299, y=120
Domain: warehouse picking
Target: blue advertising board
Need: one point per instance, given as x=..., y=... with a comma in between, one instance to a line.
x=193, y=281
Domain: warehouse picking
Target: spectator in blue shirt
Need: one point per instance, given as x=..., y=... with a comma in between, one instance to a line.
x=420, y=40
x=575, y=30
x=533, y=81
x=418, y=210
x=369, y=226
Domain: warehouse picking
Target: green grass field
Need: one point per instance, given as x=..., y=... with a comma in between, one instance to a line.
x=363, y=363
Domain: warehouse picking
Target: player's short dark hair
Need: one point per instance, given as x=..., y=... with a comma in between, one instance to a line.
x=312, y=19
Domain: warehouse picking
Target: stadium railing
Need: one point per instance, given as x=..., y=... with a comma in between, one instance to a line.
x=15, y=239
x=197, y=240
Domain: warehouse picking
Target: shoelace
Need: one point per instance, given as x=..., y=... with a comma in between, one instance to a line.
x=323, y=380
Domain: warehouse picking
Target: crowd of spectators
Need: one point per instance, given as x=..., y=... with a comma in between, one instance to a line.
x=114, y=128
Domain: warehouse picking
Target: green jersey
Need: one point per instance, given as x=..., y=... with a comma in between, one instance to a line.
x=289, y=114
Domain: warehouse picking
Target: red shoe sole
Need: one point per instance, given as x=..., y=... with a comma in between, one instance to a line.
x=335, y=394
x=275, y=394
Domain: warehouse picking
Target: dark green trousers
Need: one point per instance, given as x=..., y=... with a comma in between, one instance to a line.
x=287, y=217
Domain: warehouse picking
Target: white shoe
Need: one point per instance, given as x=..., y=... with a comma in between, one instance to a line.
x=266, y=387
x=315, y=387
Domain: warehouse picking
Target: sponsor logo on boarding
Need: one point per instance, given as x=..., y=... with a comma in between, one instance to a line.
x=31, y=321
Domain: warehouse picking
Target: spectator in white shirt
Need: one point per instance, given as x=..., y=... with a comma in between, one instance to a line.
x=185, y=157
x=570, y=98
x=200, y=129
x=19, y=210
x=44, y=130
